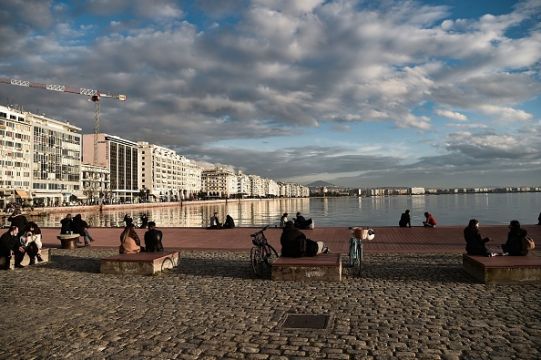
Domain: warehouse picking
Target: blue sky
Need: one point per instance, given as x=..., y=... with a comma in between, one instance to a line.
x=357, y=93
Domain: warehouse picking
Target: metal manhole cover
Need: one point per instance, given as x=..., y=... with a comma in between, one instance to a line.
x=306, y=321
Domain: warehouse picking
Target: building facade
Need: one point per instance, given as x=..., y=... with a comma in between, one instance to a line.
x=96, y=183
x=219, y=183
x=15, y=157
x=120, y=156
x=56, y=166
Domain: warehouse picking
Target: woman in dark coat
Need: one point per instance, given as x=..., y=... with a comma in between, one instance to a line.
x=475, y=243
x=515, y=240
x=295, y=244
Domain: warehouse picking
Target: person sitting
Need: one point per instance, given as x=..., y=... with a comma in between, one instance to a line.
x=229, y=222
x=153, y=238
x=35, y=238
x=66, y=225
x=430, y=221
x=296, y=244
x=214, y=222
x=129, y=240
x=28, y=243
x=9, y=244
x=283, y=220
x=475, y=243
x=301, y=222
x=515, y=245
x=405, y=219
x=81, y=227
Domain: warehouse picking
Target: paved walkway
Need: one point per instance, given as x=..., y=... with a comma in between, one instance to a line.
x=414, y=306
x=447, y=239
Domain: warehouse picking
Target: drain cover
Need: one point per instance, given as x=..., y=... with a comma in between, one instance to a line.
x=306, y=321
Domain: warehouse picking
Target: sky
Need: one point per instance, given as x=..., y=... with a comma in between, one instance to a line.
x=355, y=93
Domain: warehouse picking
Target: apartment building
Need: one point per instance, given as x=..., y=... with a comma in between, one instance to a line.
x=219, y=183
x=56, y=165
x=15, y=157
x=120, y=156
x=96, y=183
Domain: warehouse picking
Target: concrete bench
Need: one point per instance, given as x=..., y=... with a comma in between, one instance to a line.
x=139, y=264
x=68, y=241
x=503, y=269
x=45, y=254
x=323, y=267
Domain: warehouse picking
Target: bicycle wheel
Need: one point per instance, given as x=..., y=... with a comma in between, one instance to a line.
x=255, y=260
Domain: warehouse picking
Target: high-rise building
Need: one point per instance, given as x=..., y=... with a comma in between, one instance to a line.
x=120, y=156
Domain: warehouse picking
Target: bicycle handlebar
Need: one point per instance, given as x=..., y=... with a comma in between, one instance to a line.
x=260, y=231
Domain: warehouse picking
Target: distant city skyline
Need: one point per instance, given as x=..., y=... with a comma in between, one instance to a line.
x=356, y=93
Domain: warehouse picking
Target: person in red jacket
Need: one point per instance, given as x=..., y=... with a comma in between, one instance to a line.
x=430, y=221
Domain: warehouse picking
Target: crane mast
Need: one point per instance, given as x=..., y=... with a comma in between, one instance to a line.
x=95, y=96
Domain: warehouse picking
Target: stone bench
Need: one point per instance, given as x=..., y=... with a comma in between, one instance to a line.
x=68, y=241
x=323, y=267
x=139, y=264
x=45, y=254
x=503, y=269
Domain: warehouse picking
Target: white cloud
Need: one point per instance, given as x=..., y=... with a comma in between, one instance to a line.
x=451, y=115
x=505, y=113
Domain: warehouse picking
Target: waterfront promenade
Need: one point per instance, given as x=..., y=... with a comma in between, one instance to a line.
x=412, y=301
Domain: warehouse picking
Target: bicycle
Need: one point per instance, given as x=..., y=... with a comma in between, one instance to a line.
x=261, y=253
x=356, y=253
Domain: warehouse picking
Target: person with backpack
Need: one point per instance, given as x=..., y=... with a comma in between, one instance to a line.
x=516, y=244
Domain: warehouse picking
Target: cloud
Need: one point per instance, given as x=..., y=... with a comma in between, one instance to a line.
x=451, y=115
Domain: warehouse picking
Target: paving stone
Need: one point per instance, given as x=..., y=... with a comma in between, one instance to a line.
x=212, y=307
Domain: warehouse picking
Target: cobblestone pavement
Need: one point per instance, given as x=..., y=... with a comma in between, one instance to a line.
x=211, y=307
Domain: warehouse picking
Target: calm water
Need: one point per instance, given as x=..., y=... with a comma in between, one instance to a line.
x=374, y=211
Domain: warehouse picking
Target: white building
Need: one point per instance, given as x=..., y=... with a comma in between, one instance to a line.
x=257, y=186
x=417, y=190
x=219, y=182
x=15, y=157
x=271, y=188
x=56, y=167
x=166, y=175
x=244, y=187
x=96, y=183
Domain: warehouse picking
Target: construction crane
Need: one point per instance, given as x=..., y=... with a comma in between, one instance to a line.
x=94, y=95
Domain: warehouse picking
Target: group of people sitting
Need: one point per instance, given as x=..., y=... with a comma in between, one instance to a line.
x=216, y=224
x=405, y=220
x=23, y=237
x=130, y=242
x=517, y=243
x=299, y=221
x=76, y=225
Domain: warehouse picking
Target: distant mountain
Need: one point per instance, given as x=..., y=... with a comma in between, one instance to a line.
x=320, y=183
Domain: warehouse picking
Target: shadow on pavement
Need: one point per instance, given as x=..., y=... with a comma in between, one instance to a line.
x=218, y=267
x=74, y=263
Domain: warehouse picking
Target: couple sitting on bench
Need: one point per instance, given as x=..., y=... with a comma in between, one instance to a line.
x=130, y=243
x=296, y=244
x=518, y=242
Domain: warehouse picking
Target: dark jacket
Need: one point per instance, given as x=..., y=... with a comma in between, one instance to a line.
x=405, y=220
x=295, y=244
x=66, y=226
x=79, y=225
x=302, y=223
x=515, y=243
x=8, y=243
x=475, y=244
x=229, y=222
x=153, y=240
x=18, y=220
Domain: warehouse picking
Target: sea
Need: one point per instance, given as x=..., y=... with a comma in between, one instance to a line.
x=448, y=209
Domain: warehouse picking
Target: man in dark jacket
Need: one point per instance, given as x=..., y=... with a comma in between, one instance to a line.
x=9, y=242
x=19, y=220
x=153, y=238
x=405, y=219
x=67, y=225
x=295, y=244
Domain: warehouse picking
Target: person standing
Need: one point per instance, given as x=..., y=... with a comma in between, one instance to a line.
x=153, y=238
x=430, y=221
x=515, y=245
x=405, y=219
x=475, y=243
x=19, y=220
